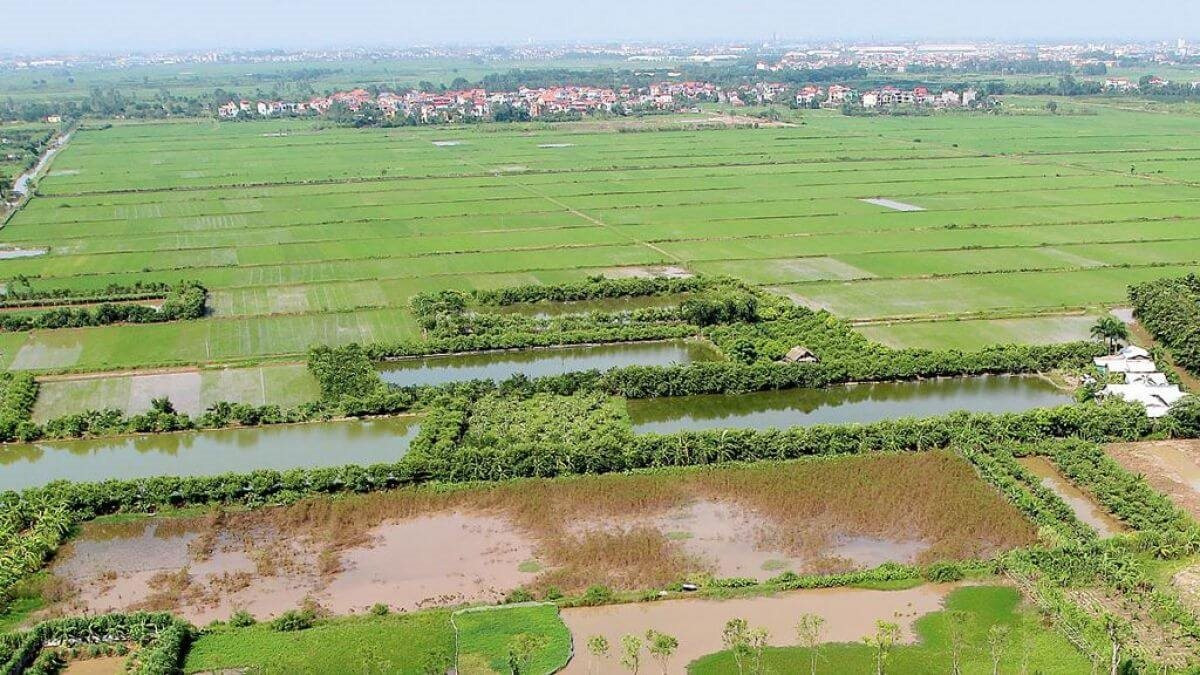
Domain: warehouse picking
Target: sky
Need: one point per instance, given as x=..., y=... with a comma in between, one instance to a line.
x=60, y=26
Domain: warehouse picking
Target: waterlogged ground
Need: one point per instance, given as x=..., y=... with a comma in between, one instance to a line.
x=849, y=613
x=1171, y=467
x=420, y=548
x=1085, y=507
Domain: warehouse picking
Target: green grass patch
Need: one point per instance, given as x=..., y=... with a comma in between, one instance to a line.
x=485, y=637
x=1029, y=643
x=401, y=644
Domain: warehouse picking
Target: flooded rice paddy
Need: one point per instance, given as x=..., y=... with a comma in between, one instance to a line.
x=849, y=613
x=417, y=548
x=434, y=370
x=205, y=453
x=857, y=403
x=1085, y=507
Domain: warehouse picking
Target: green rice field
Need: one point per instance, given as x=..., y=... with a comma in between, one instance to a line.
x=308, y=235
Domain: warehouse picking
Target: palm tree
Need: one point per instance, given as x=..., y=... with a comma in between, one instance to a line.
x=1111, y=330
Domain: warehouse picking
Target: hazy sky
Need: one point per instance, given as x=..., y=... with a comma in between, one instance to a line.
x=64, y=25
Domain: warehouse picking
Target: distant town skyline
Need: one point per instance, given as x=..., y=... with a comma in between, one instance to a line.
x=133, y=25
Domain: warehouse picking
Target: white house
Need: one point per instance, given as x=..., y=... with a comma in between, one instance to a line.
x=1130, y=359
x=1147, y=379
x=1156, y=399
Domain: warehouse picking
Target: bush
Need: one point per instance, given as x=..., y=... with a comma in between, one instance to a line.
x=242, y=619
x=596, y=595
x=293, y=620
x=518, y=595
x=380, y=609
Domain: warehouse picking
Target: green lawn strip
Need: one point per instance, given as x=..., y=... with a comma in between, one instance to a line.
x=399, y=643
x=485, y=635
x=987, y=606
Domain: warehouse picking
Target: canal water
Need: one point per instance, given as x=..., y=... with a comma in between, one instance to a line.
x=434, y=370
x=1086, y=509
x=843, y=404
x=205, y=453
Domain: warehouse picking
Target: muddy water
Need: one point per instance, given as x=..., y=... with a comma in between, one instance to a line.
x=545, y=310
x=850, y=614
x=440, y=559
x=207, y=452
x=104, y=665
x=1085, y=508
x=542, y=362
x=861, y=403
x=728, y=539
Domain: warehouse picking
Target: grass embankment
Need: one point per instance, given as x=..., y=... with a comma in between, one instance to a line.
x=1027, y=647
x=399, y=644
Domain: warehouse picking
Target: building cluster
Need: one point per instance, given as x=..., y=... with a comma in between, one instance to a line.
x=428, y=107
x=890, y=96
x=432, y=107
x=902, y=57
x=1143, y=384
x=837, y=95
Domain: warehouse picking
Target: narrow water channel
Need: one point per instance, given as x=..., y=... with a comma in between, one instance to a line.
x=205, y=453
x=1085, y=508
x=498, y=366
x=843, y=404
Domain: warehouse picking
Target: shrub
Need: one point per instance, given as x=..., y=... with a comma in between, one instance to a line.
x=242, y=619
x=596, y=595
x=293, y=620
x=518, y=595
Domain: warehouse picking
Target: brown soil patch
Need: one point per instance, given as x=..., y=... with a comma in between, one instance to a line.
x=420, y=547
x=1149, y=635
x=1171, y=467
x=850, y=614
x=1187, y=584
x=103, y=665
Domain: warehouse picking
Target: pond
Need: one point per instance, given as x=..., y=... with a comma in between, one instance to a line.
x=546, y=310
x=501, y=365
x=205, y=453
x=842, y=404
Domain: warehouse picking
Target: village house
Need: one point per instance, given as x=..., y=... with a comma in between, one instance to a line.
x=1121, y=84
x=1129, y=359
x=1144, y=384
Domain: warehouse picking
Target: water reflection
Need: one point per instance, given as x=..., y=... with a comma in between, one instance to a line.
x=844, y=404
x=207, y=452
x=497, y=366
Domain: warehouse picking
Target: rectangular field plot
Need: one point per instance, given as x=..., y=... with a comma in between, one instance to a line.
x=970, y=334
x=957, y=295
x=191, y=392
